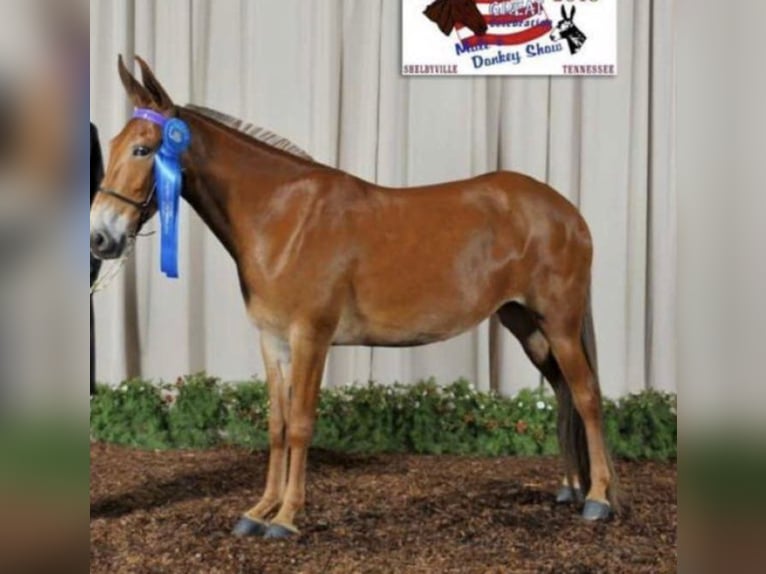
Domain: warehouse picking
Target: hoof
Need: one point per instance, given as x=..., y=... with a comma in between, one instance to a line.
x=279, y=531
x=567, y=494
x=249, y=527
x=595, y=510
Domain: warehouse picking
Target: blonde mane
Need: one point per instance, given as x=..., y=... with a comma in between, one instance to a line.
x=255, y=132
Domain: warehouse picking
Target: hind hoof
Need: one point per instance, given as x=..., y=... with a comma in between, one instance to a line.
x=567, y=494
x=276, y=531
x=249, y=527
x=594, y=511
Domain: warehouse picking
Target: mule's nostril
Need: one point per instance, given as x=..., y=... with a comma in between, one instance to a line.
x=100, y=242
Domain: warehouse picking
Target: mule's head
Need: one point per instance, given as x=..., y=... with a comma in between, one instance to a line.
x=565, y=26
x=126, y=194
x=447, y=13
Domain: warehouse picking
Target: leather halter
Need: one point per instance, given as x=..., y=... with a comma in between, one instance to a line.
x=141, y=206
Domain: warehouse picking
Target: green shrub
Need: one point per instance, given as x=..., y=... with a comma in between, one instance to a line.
x=642, y=426
x=132, y=413
x=246, y=416
x=199, y=411
x=359, y=419
x=197, y=414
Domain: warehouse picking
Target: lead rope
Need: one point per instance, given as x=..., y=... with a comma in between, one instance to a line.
x=114, y=267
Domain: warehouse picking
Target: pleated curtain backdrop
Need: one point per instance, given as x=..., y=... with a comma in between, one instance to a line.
x=325, y=74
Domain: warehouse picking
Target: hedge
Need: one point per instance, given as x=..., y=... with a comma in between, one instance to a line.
x=199, y=411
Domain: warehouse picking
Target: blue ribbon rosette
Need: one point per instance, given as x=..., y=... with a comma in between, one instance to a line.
x=176, y=138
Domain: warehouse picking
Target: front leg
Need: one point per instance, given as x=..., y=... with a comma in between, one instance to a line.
x=276, y=358
x=308, y=348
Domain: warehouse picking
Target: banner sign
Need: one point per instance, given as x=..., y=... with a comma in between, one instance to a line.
x=509, y=37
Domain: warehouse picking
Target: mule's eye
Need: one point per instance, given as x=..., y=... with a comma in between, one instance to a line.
x=141, y=151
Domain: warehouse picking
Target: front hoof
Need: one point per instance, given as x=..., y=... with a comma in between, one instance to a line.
x=249, y=527
x=567, y=494
x=275, y=531
x=595, y=510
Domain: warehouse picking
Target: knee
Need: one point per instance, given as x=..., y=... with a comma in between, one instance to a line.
x=299, y=431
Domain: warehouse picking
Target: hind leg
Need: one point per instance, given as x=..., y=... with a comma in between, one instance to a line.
x=525, y=327
x=566, y=346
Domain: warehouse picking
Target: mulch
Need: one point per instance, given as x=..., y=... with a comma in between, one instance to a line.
x=173, y=511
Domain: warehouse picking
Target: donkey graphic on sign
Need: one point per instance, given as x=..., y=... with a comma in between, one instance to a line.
x=567, y=30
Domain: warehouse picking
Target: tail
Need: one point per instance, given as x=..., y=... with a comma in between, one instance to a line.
x=572, y=439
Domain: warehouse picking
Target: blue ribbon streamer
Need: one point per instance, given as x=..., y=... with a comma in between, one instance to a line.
x=169, y=179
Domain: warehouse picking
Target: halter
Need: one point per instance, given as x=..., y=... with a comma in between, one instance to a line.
x=139, y=205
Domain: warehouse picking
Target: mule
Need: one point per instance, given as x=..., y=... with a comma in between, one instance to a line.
x=325, y=258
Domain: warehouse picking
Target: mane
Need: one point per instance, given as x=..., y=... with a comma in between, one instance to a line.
x=255, y=132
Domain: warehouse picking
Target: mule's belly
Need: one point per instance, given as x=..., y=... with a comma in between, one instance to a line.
x=389, y=337
x=410, y=328
x=373, y=341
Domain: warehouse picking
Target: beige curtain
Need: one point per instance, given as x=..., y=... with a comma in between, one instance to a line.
x=325, y=74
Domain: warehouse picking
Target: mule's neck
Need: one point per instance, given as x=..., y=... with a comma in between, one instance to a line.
x=223, y=166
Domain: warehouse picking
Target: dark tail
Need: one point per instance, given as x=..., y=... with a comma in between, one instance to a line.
x=572, y=439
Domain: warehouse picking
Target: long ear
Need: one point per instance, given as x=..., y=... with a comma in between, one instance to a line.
x=564, y=12
x=161, y=97
x=136, y=92
x=440, y=12
x=571, y=13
